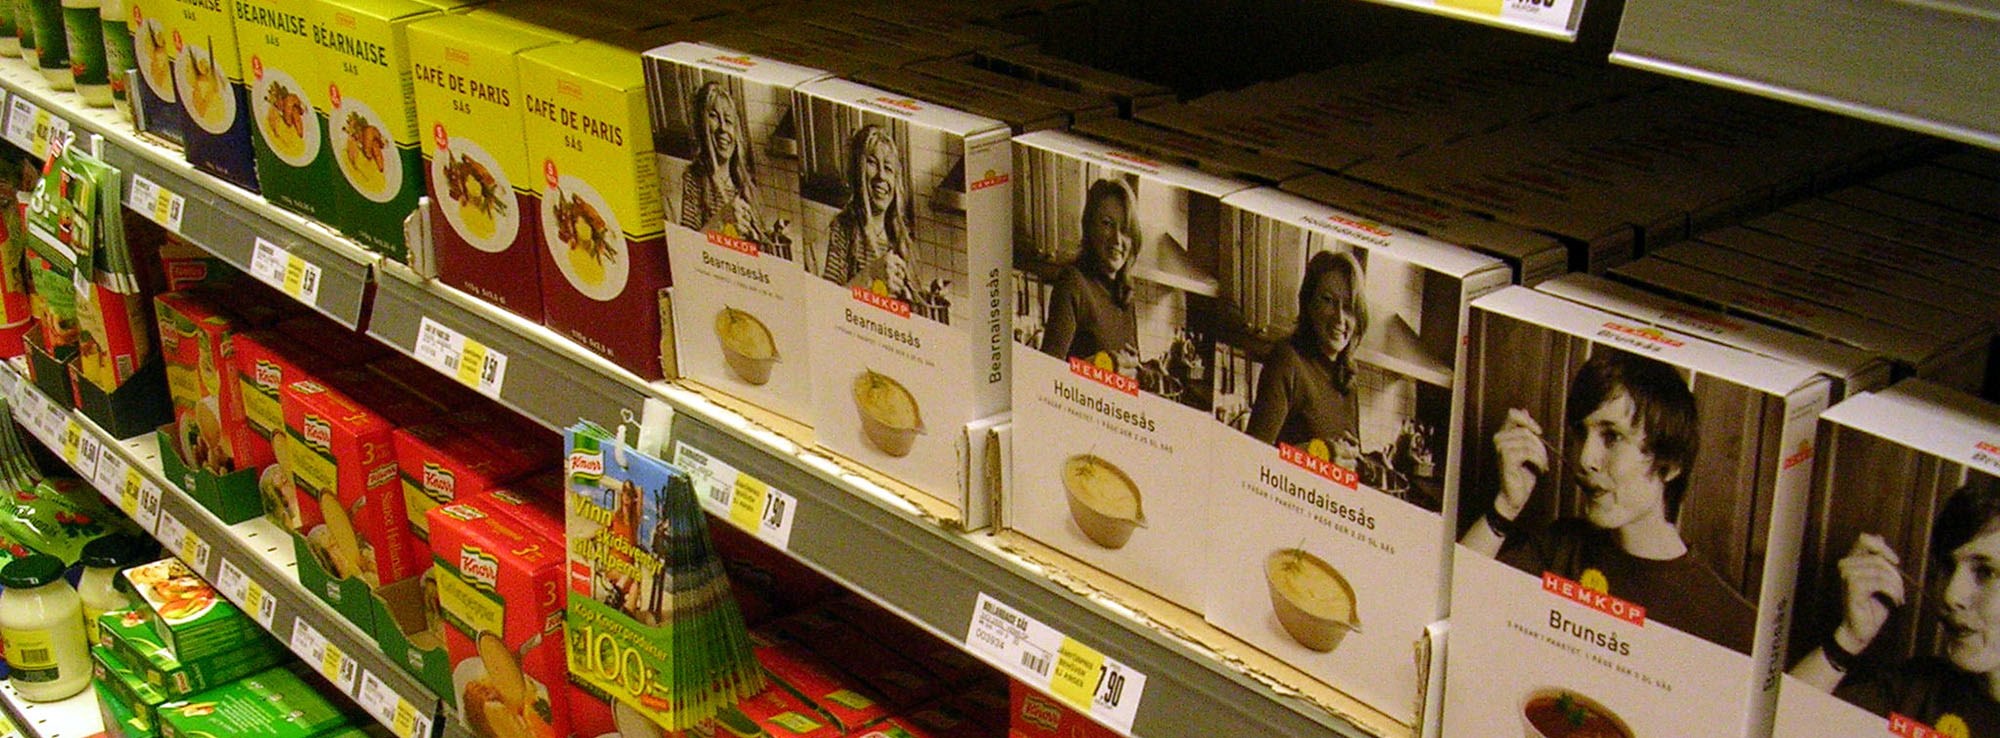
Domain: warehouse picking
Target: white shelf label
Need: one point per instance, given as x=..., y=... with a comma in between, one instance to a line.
x=246, y=592
x=231, y=582
x=746, y=501
x=171, y=532
x=156, y=202
x=54, y=417
x=110, y=469
x=322, y=655
x=1089, y=681
x=286, y=271
x=31, y=127
x=461, y=357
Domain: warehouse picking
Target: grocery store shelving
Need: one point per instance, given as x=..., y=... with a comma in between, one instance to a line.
x=74, y=717
x=330, y=273
x=251, y=563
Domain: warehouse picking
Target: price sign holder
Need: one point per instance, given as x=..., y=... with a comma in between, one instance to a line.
x=461, y=357
x=733, y=495
x=1086, y=679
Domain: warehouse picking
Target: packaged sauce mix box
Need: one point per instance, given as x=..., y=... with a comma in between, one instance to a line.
x=197, y=343
x=208, y=80
x=1337, y=391
x=129, y=635
x=836, y=695
x=155, y=53
x=438, y=464
x=1886, y=639
x=776, y=712
x=343, y=464
x=1032, y=714
x=278, y=42
x=1214, y=157
x=1964, y=272
x=1114, y=281
x=729, y=171
x=265, y=362
x=604, y=257
x=500, y=590
x=485, y=193
x=191, y=619
x=372, y=122
x=1534, y=257
x=278, y=703
x=1629, y=536
x=125, y=686
x=907, y=216
x=119, y=720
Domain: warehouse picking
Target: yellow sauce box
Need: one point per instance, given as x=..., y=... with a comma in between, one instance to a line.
x=208, y=80
x=288, y=107
x=604, y=258
x=153, y=52
x=371, y=123
x=484, y=209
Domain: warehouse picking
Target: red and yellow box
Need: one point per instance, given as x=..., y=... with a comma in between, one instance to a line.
x=343, y=463
x=439, y=464
x=1036, y=715
x=850, y=703
x=196, y=343
x=778, y=713
x=500, y=587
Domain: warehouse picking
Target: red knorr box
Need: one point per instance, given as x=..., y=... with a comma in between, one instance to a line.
x=440, y=464
x=781, y=714
x=343, y=463
x=196, y=343
x=899, y=680
x=1036, y=715
x=847, y=701
x=541, y=511
x=500, y=587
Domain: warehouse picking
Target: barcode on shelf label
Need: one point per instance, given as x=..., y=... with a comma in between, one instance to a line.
x=461, y=357
x=733, y=495
x=1042, y=656
x=286, y=271
x=87, y=450
x=260, y=604
x=313, y=648
x=33, y=128
x=156, y=202
x=379, y=700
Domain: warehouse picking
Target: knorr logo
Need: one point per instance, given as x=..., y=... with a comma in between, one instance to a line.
x=438, y=479
x=1132, y=159
x=902, y=103
x=318, y=433
x=268, y=375
x=457, y=55
x=586, y=464
x=480, y=567
x=1041, y=713
x=307, y=387
x=466, y=513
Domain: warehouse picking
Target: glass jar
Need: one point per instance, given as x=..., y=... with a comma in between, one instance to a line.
x=100, y=587
x=41, y=619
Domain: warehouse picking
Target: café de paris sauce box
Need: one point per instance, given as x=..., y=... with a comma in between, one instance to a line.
x=1631, y=504
x=1114, y=281
x=485, y=195
x=1337, y=388
x=1902, y=506
x=730, y=173
x=907, y=215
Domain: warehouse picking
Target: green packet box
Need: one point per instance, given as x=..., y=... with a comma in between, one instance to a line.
x=119, y=722
x=141, y=700
x=276, y=703
x=129, y=634
x=190, y=617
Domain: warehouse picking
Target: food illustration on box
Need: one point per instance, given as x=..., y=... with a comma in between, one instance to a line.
x=1102, y=500
x=172, y=590
x=479, y=203
x=583, y=235
x=337, y=546
x=155, y=49
x=285, y=118
x=366, y=156
x=497, y=698
x=747, y=346
x=204, y=90
x=890, y=418
x=1313, y=601
x=1561, y=713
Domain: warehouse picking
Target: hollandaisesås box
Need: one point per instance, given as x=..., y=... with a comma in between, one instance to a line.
x=729, y=167
x=485, y=194
x=1630, y=530
x=1902, y=511
x=372, y=123
x=907, y=214
x=208, y=80
x=278, y=40
x=1115, y=275
x=500, y=586
x=1338, y=387
x=604, y=256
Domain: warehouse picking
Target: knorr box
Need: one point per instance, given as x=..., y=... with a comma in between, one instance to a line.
x=733, y=231
x=125, y=686
x=439, y=464
x=1631, y=507
x=485, y=194
x=196, y=341
x=907, y=216
x=500, y=589
x=208, y=80
x=277, y=40
x=1115, y=272
x=343, y=462
x=1338, y=386
x=372, y=123
x=129, y=634
x=604, y=257
x=1903, y=503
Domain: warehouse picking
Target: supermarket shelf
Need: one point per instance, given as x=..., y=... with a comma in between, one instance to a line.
x=251, y=562
x=331, y=272
x=1925, y=65
x=76, y=717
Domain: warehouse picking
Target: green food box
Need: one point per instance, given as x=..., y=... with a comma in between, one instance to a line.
x=372, y=129
x=287, y=104
x=127, y=689
x=192, y=620
x=129, y=635
x=119, y=720
x=278, y=703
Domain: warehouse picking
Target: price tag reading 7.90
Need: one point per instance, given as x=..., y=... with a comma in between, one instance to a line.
x=1040, y=655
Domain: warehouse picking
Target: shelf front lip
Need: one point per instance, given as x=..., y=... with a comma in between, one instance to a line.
x=222, y=219
x=292, y=600
x=78, y=714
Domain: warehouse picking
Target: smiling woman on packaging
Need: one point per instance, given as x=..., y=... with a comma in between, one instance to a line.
x=1090, y=309
x=1306, y=391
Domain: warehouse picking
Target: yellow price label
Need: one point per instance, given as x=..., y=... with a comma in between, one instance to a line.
x=1077, y=669
x=72, y=437
x=405, y=721
x=128, y=492
x=41, y=131
x=471, y=363
x=746, y=507
x=295, y=275
x=330, y=659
